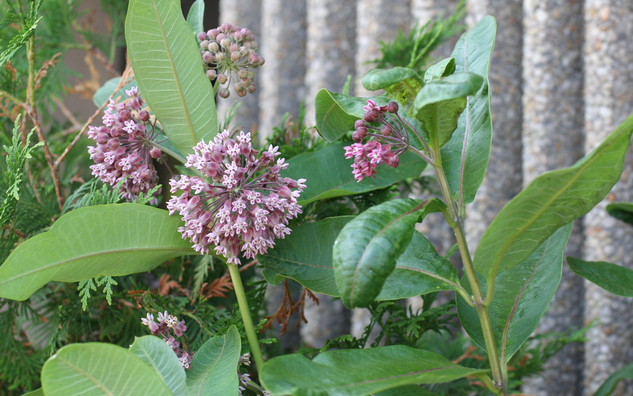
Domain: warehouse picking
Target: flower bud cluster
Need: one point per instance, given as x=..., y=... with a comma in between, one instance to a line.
x=124, y=149
x=229, y=53
x=391, y=138
x=166, y=325
x=244, y=205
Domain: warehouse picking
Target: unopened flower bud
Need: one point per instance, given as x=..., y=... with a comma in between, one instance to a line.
x=251, y=89
x=155, y=152
x=386, y=130
x=214, y=47
x=102, y=138
x=359, y=124
x=254, y=58
x=245, y=82
x=113, y=144
x=219, y=37
x=251, y=75
x=371, y=115
x=202, y=36
x=143, y=115
x=242, y=74
x=234, y=47
x=235, y=56
x=204, y=44
x=211, y=74
x=238, y=36
x=207, y=57
x=246, y=32
x=225, y=43
x=362, y=132
x=220, y=56
x=356, y=138
x=116, y=131
x=226, y=27
x=392, y=107
x=224, y=93
x=222, y=78
x=125, y=115
x=213, y=33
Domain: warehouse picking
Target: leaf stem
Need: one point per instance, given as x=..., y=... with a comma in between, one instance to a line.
x=246, y=316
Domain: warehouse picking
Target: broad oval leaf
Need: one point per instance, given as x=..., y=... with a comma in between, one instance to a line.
x=366, y=250
x=521, y=296
x=213, y=369
x=611, y=277
x=162, y=359
x=608, y=387
x=195, y=17
x=621, y=211
x=306, y=257
x=355, y=372
x=336, y=113
x=443, y=68
x=102, y=240
x=329, y=173
x=439, y=104
x=407, y=390
x=169, y=71
x=552, y=200
x=472, y=53
x=104, y=92
x=401, y=83
x=99, y=369
x=37, y=392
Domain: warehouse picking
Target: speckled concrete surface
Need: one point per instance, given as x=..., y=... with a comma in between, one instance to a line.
x=283, y=45
x=247, y=14
x=553, y=138
x=608, y=54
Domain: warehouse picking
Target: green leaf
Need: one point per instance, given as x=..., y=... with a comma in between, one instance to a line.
x=336, y=113
x=195, y=18
x=169, y=71
x=521, y=296
x=306, y=257
x=18, y=41
x=407, y=390
x=104, y=92
x=621, y=211
x=162, y=359
x=443, y=68
x=552, y=200
x=366, y=250
x=401, y=83
x=611, y=277
x=355, y=372
x=37, y=392
x=608, y=387
x=329, y=173
x=214, y=366
x=472, y=53
x=103, y=240
x=99, y=369
x=439, y=104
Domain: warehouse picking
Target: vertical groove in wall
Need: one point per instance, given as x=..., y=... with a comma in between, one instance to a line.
x=245, y=14
x=608, y=53
x=553, y=138
x=283, y=45
x=331, y=48
x=378, y=20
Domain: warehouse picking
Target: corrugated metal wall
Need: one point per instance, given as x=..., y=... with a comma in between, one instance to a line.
x=561, y=78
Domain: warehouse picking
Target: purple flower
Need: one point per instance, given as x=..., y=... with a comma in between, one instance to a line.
x=246, y=204
x=391, y=130
x=168, y=323
x=124, y=149
x=185, y=360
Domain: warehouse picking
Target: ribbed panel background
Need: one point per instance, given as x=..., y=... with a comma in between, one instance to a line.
x=561, y=79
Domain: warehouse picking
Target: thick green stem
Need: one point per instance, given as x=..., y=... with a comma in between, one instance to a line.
x=496, y=365
x=246, y=316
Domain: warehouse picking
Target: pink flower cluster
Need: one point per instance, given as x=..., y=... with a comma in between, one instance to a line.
x=124, y=148
x=245, y=205
x=166, y=324
x=392, y=132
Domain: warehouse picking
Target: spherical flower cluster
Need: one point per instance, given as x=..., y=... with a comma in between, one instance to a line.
x=124, y=148
x=391, y=138
x=245, y=205
x=166, y=324
x=229, y=53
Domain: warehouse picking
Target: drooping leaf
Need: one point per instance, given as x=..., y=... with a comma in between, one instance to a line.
x=366, y=250
x=439, y=104
x=521, y=296
x=472, y=53
x=401, y=83
x=162, y=359
x=306, y=256
x=443, y=68
x=329, y=173
x=102, y=240
x=552, y=200
x=195, y=18
x=214, y=366
x=104, y=92
x=356, y=372
x=169, y=71
x=611, y=277
x=608, y=387
x=621, y=211
x=99, y=369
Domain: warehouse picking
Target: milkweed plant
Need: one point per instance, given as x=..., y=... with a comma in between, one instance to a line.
x=236, y=201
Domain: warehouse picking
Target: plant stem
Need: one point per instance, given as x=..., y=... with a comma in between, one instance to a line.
x=246, y=316
x=496, y=365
